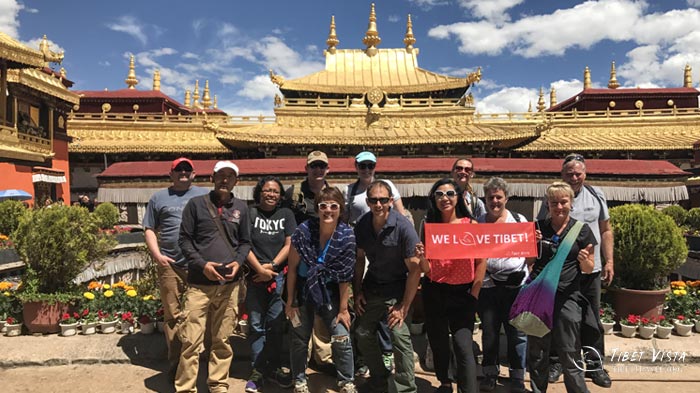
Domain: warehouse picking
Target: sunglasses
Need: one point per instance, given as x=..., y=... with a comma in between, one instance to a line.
x=373, y=201
x=318, y=165
x=369, y=165
x=450, y=194
x=182, y=168
x=574, y=157
x=467, y=169
x=325, y=206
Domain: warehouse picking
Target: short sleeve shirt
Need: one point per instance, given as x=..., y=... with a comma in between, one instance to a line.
x=500, y=268
x=452, y=271
x=269, y=230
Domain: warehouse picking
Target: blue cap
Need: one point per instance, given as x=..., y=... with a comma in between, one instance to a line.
x=365, y=156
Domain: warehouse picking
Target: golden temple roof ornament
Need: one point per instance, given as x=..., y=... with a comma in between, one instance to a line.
x=156, y=80
x=131, y=80
x=206, y=99
x=63, y=73
x=586, y=78
x=540, y=102
x=688, y=76
x=332, y=40
x=216, y=102
x=552, y=97
x=49, y=56
x=474, y=77
x=188, y=99
x=529, y=107
x=372, y=35
x=276, y=79
x=195, y=94
x=612, y=83
x=409, y=39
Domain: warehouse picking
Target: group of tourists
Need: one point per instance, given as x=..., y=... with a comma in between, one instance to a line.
x=336, y=273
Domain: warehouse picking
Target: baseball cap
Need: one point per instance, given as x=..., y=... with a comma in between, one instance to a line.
x=316, y=156
x=179, y=161
x=226, y=164
x=365, y=156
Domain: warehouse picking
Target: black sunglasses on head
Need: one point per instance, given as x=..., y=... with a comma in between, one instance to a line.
x=574, y=157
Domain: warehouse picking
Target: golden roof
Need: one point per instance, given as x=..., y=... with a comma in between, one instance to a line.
x=353, y=71
x=13, y=148
x=14, y=51
x=43, y=82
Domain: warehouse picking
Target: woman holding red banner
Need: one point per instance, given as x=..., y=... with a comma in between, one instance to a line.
x=450, y=291
x=502, y=282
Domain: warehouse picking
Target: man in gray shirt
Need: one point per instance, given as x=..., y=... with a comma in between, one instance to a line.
x=589, y=206
x=163, y=216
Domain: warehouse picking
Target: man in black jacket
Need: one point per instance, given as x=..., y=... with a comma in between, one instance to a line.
x=215, y=240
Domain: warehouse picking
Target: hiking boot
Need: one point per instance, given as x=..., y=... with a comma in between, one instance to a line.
x=347, y=387
x=282, y=378
x=600, y=377
x=488, y=384
x=517, y=386
x=555, y=372
x=255, y=382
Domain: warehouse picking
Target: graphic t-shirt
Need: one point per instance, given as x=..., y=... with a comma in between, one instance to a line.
x=268, y=231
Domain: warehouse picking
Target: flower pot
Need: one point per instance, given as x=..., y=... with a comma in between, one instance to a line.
x=2, y=327
x=608, y=327
x=42, y=317
x=68, y=329
x=693, y=242
x=13, y=330
x=107, y=327
x=628, y=331
x=647, y=332
x=126, y=327
x=697, y=325
x=647, y=304
x=147, y=328
x=684, y=329
x=416, y=329
x=664, y=331
x=87, y=328
x=161, y=326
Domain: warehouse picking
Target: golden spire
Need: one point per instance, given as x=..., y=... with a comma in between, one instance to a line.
x=156, y=80
x=131, y=80
x=612, y=83
x=216, y=102
x=586, y=78
x=206, y=100
x=49, y=56
x=188, y=103
x=372, y=35
x=332, y=40
x=195, y=95
x=540, y=102
x=63, y=73
x=688, y=76
x=552, y=97
x=529, y=107
x=409, y=39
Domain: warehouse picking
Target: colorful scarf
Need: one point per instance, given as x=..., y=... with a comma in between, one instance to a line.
x=337, y=265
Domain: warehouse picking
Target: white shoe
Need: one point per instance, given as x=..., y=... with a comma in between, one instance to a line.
x=301, y=388
x=348, y=387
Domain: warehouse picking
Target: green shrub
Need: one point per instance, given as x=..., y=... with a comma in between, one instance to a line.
x=693, y=219
x=107, y=215
x=56, y=245
x=648, y=247
x=676, y=212
x=10, y=212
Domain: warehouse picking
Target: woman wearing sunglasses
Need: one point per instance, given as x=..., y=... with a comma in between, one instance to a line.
x=462, y=173
x=321, y=268
x=450, y=291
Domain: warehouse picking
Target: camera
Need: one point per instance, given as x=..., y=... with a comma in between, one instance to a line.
x=223, y=270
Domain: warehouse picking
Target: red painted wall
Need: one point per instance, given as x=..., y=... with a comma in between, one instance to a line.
x=16, y=177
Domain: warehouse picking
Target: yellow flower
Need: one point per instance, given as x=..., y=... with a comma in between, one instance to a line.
x=676, y=292
x=105, y=286
x=683, y=292
x=128, y=288
x=4, y=286
x=109, y=293
x=131, y=293
x=6, y=293
x=89, y=295
x=148, y=297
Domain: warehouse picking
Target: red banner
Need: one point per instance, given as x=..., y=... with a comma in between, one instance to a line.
x=449, y=241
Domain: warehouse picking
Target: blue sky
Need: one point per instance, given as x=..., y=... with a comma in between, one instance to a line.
x=520, y=45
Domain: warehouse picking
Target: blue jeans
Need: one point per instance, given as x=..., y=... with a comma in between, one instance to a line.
x=494, y=307
x=266, y=325
x=340, y=342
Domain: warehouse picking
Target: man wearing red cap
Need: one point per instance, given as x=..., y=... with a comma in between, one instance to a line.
x=163, y=216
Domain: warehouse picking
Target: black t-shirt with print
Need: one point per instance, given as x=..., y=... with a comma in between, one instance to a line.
x=268, y=231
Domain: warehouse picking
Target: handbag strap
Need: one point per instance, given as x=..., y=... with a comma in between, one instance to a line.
x=215, y=217
x=552, y=270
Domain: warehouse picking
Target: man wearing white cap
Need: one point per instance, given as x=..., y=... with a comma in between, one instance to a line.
x=215, y=240
x=163, y=216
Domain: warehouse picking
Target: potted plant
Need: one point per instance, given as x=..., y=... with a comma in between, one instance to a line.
x=629, y=325
x=126, y=320
x=664, y=327
x=148, y=306
x=13, y=327
x=648, y=247
x=692, y=225
x=56, y=245
x=607, y=318
x=69, y=324
x=683, y=326
x=108, y=322
x=647, y=328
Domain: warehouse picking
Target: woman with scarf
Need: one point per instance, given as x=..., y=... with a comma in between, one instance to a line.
x=450, y=291
x=321, y=268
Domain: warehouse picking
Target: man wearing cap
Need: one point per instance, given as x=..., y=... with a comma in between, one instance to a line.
x=215, y=240
x=163, y=216
x=590, y=206
x=301, y=196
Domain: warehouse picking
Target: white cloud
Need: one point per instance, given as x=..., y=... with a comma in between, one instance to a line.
x=259, y=88
x=228, y=30
x=492, y=10
x=428, y=4
x=282, y=59
x=229, y=79
x=30, y=10
x=104, y=63
x=509, y=99
x=393, y=18
x=190, y=55
x=694, y=3
x=131, y=26
x=34, y=43
x=9, y=10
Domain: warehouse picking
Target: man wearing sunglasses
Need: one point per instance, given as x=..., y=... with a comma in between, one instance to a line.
x=163, y=217
x=589, y=206
x=383, y=296
x=300, y=197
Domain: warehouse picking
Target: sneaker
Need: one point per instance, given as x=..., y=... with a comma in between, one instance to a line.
x=347, y=387
x=255, y=382
x=517, y=386
x=555, y=372
x=301, y=387
x=362, y=372
x=282, y=378
x=388, y=359
x=488, y=384
x=600, y=378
